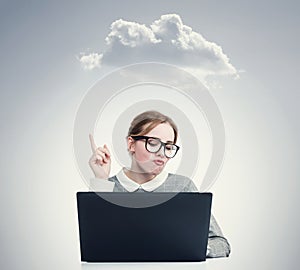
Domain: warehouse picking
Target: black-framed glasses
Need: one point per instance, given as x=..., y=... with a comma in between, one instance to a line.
x=153, y=145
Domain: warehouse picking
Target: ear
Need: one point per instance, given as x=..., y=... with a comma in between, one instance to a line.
x=130, y=145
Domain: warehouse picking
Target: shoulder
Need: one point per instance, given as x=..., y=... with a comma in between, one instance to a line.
x=173, y=176
x=113, y=178
x=118, y=186
x=184, y=182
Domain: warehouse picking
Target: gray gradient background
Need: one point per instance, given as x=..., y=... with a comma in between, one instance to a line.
x=42, y=84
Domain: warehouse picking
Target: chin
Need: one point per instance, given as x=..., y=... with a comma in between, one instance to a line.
x=150, y=169
x=157, y=171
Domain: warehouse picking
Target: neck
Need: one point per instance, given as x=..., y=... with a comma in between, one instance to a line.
x=138, y=177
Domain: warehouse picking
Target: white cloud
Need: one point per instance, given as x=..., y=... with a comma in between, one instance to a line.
x=90, y=61
x=130, y=34
x=166, y=40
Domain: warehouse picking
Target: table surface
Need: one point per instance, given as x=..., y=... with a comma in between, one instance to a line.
x=209, y=264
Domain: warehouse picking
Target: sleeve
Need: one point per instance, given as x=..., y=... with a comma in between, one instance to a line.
x=190, y=186
x=218, y=245
x=103, y=185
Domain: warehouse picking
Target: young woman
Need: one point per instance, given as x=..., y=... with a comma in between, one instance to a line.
x=151, y=143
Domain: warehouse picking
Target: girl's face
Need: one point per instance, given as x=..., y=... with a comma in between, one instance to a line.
x=145, y=162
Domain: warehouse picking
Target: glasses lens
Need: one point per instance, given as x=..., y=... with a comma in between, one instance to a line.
x=170, y=150
x=153, y=145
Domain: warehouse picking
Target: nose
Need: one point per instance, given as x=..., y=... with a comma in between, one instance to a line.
x=161, y=152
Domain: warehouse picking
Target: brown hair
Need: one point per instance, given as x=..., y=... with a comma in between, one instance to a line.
x=148, y=120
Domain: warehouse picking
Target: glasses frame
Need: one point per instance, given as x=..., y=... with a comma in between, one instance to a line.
x=162, y=144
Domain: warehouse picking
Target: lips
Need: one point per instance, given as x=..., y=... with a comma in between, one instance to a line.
x=159, y=162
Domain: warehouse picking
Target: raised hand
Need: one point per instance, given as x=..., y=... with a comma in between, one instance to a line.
x=100, y=161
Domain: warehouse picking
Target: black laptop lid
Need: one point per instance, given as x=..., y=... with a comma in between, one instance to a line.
x=176, y=230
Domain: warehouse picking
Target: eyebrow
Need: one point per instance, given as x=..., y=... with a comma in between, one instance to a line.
x=161, y=140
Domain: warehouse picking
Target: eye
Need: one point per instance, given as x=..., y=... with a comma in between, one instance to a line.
x=153, y=142
x=169, y=147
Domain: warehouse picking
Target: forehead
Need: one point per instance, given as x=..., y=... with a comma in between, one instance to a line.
x=162, y=131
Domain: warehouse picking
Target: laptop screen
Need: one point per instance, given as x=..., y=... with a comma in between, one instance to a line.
x=175, y=230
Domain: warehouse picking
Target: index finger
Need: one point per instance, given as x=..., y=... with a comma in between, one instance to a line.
x=93, y=144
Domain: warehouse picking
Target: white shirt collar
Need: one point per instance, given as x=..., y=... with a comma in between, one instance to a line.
x=149, y=186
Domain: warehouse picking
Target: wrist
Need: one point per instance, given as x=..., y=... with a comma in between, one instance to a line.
x=102, y=176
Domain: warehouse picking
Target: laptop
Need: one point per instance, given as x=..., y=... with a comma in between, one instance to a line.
x=175, y=230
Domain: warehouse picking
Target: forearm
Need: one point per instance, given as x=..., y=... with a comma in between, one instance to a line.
x=102, y=185
x=218, y=247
